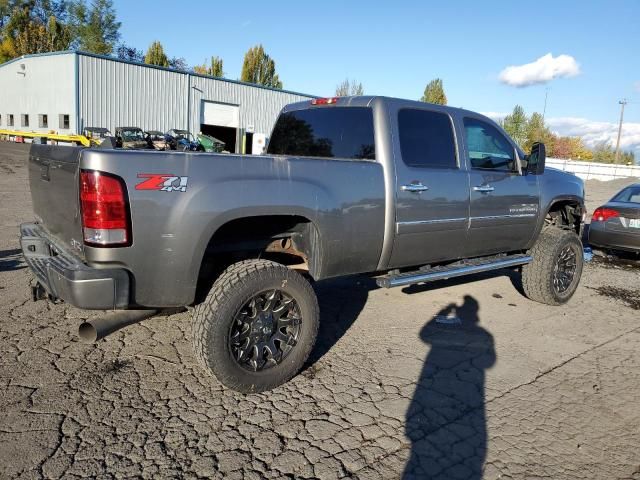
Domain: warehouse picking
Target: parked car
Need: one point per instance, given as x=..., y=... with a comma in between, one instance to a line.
x=96, y=135
x=157, y=140
x=616, y=224
x=405, y=191
x=132, y=138
x=182, y=140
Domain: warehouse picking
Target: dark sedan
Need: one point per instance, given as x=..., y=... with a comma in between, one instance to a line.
x=616, y=225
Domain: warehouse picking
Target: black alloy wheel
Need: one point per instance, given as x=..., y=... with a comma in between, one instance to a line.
x=265, y=330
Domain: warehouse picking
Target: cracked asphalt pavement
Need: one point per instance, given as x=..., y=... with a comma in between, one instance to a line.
x=514, y=390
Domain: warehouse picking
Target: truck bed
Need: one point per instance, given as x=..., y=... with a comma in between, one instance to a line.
x=171, y=227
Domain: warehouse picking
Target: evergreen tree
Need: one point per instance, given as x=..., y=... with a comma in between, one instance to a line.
x=434, y=93
x=155, y=55
x=259, y=68
x=516, y=124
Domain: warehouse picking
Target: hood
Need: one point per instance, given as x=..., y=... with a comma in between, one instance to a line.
x=558, y=184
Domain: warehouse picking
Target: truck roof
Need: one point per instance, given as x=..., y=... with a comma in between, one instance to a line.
x=368, y=100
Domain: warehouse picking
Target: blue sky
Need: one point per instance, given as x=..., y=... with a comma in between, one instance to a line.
x=396, y=48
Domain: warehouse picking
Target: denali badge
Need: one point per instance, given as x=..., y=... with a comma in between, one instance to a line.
x=163, y=182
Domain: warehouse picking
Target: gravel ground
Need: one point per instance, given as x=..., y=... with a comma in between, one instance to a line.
x=517, y=390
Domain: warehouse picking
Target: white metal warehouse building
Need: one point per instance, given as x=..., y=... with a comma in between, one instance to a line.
x=65, y=92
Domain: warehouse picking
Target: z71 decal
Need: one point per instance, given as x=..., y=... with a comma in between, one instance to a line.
x=162, y=181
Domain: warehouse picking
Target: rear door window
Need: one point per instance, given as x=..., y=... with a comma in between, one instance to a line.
x=330, y=132
x=426, y=139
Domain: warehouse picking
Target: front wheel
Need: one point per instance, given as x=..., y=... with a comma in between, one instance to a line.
x=554, y=274
x=257, y=325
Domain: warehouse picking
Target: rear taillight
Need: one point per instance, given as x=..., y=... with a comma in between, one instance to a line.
x=103, y=202
x=603, y=214
x=324, y=101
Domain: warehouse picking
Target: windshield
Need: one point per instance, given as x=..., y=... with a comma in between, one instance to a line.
x=183, y=135
x=132, y=135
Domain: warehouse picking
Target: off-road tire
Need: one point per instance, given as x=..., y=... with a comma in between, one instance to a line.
x=537, y=276
x=212, y=319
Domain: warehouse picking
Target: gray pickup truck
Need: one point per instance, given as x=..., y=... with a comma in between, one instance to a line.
x=405, y=191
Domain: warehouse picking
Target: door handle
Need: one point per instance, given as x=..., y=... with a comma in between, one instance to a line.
x=484, y=188
x=414, y=188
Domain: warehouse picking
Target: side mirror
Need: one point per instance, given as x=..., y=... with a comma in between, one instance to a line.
x=536, y=159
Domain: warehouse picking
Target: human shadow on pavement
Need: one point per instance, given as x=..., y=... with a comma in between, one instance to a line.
x=446, y=420
x=11, y=260
x=341, y=300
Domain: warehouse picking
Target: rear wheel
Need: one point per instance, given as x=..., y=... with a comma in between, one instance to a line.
x=257, y=326
x=554, y=274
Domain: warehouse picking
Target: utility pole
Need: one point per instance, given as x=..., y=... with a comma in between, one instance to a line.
x=622, y=103
x=544, y=110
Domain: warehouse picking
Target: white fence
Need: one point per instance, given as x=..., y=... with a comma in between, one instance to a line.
x=590, y=170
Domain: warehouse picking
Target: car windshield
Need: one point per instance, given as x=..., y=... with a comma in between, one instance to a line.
x=132, y=135
x=183, y=134
x=629, y=195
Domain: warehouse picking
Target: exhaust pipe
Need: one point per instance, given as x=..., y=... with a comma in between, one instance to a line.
x=97, y=328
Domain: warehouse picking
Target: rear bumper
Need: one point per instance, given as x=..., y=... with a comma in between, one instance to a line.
x=64, y=276
x=601, y=237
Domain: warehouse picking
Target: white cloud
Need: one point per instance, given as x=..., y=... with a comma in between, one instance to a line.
x=543, y=70
x=637, y=86
x=593, y=132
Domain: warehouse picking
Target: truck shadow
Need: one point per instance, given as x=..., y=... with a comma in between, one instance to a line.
x=446, y=420
x=514, y=277
x=11, y=260
x=341, y=300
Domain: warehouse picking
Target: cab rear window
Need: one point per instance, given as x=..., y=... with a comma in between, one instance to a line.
x=329, y=132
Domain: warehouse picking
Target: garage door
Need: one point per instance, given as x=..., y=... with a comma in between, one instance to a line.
x=221, y=114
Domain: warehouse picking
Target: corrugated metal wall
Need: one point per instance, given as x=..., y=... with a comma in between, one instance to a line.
x=45, y=86
x=114, y=93
x=259, y=107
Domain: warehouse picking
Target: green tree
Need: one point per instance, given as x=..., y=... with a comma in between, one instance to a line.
x=40, y=10
x=516, y=124
x=605, y=153
x=96, y=27
x=434, y=92
x=215, y=68
x=32, y=26
x=536, y=131
x=155, y=55
x=349, y=88
x=259, y=68
x=40, y=38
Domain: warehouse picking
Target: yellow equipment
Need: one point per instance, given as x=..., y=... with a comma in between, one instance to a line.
x=79, y=139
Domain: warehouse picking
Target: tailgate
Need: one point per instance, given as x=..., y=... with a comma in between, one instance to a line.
x=53, y=179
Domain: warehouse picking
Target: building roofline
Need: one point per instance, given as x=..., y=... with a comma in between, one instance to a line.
x=157, y=67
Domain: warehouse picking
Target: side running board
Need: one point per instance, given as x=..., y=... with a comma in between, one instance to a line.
x=458, y=269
